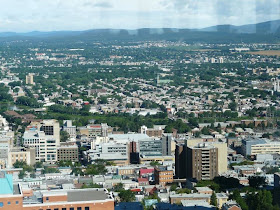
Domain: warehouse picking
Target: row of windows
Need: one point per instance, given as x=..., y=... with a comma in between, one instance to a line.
x=71, y=208
x=8, y=203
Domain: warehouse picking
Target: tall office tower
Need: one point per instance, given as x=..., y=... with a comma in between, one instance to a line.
x=51, y=129
x=29, y=79
x=166, y=144
x=180, y=161
x=133, y=153
x=202, y=162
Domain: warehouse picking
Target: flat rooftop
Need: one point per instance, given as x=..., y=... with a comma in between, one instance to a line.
x=86, y=195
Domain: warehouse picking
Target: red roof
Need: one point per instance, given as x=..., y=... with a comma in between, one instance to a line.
x=146, y=171
x=143, y=180
x=136, y=190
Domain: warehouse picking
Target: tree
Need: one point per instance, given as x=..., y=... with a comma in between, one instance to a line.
x=127, y=196
x=213, y=200
x=64, y=136
x=118, y=187
x=154, y=163
x=256, y=181
x=237, y=197
x=260, y=200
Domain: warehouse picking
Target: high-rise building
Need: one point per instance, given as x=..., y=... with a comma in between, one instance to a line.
x=29, y=79
x=202, y=162
x=180, y=161
x=166, y=144
x=45, y=146
x=133, y=153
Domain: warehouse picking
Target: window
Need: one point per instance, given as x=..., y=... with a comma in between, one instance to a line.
x=55, y=209
x=79, y=208
x=1, y=204
x=72, y=208
x=16, y=202
x=9, y=203
x=63, y=208
x=47, y=198
x=86, y=208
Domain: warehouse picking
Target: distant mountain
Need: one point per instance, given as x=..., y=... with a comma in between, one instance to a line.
x=261, y=32
x=269, y=27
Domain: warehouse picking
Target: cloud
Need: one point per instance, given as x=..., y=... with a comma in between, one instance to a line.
x=103, y=5
x=29, y=15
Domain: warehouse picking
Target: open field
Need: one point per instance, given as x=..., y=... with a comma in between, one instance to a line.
x=266, y=52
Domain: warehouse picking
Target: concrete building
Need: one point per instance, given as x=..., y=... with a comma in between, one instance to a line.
x=22, y=154
x=94, y=130
x=150, y=147
x=45, y=146
x=156, y=131
x=255, y=146
x=277, y=180
x=166, y=144
x=110, y=151
x=29, y=79
x=49, y=127
x=163, y=175
x=69, y=152
x=202, y=162
x=83, y=199
x=70, y=129
x=180, y=161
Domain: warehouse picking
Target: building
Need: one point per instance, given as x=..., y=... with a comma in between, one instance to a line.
x=163, y=175
x=22, y=154
x=255, y=146
x=6, y=183
x=116, y=152
x=178, y=198
x=180, y=161
x=70, y=129
x=166, y=144
x=68, y=152
x=29, y=79
x=94, y=130
x=45, y=146
x=277, y=180
x=150, y=147
x=202, y=162
x=156, y=131
x=231, y=205
x=83, y=199
x=133, y=153
x=50, y=127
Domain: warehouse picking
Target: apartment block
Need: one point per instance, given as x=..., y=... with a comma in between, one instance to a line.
x=202, y=162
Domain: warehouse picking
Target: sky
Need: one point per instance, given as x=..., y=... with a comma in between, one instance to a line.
x=57, y=15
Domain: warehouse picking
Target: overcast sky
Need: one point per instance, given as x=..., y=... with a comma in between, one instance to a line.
x=50, y=15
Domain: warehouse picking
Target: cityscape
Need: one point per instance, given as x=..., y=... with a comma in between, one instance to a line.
x=142, y=118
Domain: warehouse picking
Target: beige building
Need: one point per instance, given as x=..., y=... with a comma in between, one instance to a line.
x=22, y=154
x=202, y=162
x=222, y=151
x=29, y=79
x=70, y=152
